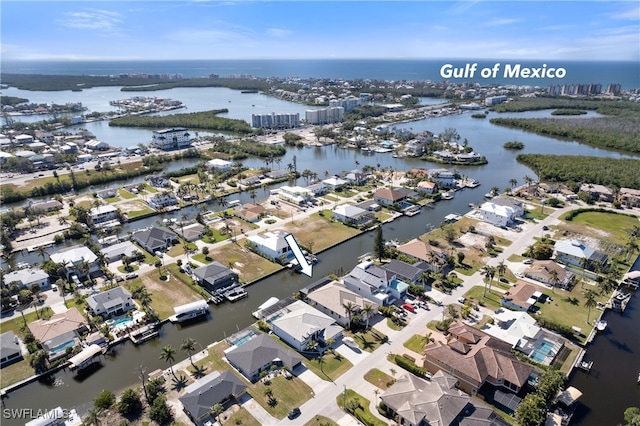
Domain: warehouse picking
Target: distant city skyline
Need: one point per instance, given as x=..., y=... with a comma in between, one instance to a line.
x=200, y=29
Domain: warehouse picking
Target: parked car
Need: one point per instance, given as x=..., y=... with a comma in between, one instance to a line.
x=54, y=287
x=462, y=300
x=527, y=261
x=131, y=276
x=504, y=280
x=350, y=342
x=408, y=307
x=293, y=413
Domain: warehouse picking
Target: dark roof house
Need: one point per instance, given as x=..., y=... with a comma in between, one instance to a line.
x=214, y=276
x=10, y=351
x=155, y=239
x=259, y=354
x=208, y=391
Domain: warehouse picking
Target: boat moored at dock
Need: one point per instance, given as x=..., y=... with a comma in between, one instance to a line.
x=189, y=311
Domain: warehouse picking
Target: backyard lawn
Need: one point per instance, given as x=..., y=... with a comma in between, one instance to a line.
x=286, y=394
x=318, y=232
x=328, y=367
x=15, y=372
x=249, y=265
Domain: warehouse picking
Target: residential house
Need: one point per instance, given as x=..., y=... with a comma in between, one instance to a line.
x=542, y=271
x=155, y=239
x=74, y=258
x=10, y=350
x=521, y=297
x=60, y=331
x=317, y=189
x=419, y=402
x=356, y=177
x=496, y=214
x=108, y=193
x=597, y=192
x=294, y=194
x=375, y=283
x=331, y=299
x=272, y=245
x=404, y=271
x=515, y=204
x=352, y=215
x=260, y=354
x=250, y=212
x=96, y=145
x=46, y=206
x=214, y=276
x=427, y=187
x=212, y=389
x=629, y=197
x=433, y=256
x=521, y=331
x=335, y=183
x=301, y=325
x=475, y=359
x=369, y=205
x=23, y=139
x=388, y=197
x=113, y=302
x=103, y=215
x=444, y=178
x=219, y=165
x=115, y=252
x=27, y=278
x=278, y=174
x=575, y=253
x=174, y=138
x=190, y=232
x=162, y=200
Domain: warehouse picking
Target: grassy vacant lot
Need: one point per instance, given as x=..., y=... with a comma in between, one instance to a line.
x=328, y=367
x=611, y=226
x=287, y=393
x=213, y=361
x=491, y=300
x=319, y=232
x=167, y=294
x=126, y=194
x=362, y=412
x=249, y=265
x=15, y=372
x=319, y=420
x=379, y=378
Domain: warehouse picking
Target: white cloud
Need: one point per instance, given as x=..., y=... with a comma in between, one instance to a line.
x=97, y=20
x=502, y=21
x=278, y=32
x=632, y=14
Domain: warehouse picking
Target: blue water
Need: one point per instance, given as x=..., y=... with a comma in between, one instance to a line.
x=63, y=347
x=604, y=72
x=119, y=321
x=542, y=351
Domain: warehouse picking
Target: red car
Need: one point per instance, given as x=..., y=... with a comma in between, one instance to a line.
x=408, y=307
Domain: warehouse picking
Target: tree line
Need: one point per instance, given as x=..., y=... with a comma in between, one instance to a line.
x=206, y=120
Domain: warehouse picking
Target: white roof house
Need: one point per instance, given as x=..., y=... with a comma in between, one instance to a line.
x=335, y=182
x=303, y=324
x=219, y=164
x=73, y=256
x=352, y=215
x=103, y=213
x=271, y=244
x=28, y=277
x=512, y=326
x=496, y=214
x=116, y=251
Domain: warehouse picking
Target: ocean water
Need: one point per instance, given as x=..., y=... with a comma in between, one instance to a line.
x=603, y=72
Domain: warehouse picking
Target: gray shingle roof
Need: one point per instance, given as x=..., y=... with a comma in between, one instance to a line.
x=210, y=390
x=261, y=351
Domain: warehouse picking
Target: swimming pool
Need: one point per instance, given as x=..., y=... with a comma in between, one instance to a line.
x=542, y=352
x=62, y=347
x=120, y=323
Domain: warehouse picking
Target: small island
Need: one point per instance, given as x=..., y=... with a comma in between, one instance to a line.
x=478, y=115
x=568, y=111
x=513, y=145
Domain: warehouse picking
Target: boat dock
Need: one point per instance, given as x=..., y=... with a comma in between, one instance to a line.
x=143, y=334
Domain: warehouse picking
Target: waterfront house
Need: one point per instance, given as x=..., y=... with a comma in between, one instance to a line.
x=294, y=194
x=331, y=299
x=521, y=331
x=214, y=276
x=335, y=183
x=250, y=212
x=433, y=402
x=278, y=174
x=212, y=389
x=219, y=165
x=404, y=271
x=74, y=257
x=272, y=245
x=96, y=145
x=108, y=193
x=23, y=139
x=155, y=239
x=46, y=206
x=375, y=283
x=496, y=214
x=516, y=205
x=388, y=197
x=27, y=278
x=174, y=138
x=300, y=325
x=541, y=270
x=260, y=354
x=356, y=177
x=444, y=178
x=10, y=350
x=597, y=192
x=162, y=200
x=575, y=253
x=434, y=258
x=629, y=197
x=352, y=215
x=104, y=215
x=369, y=205
x=475, y=359
x=317, y=189
x=113, y=302
x=426, y=187
x=115, y=252
x=521, y=297
x=190, y=232
x=60, y=331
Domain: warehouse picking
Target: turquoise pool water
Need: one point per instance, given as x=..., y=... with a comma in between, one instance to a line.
x=543, y=350
x=122, y=322
x=63, y=347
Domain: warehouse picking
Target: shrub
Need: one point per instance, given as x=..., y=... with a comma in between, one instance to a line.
x=410, y=366
x=129, y=403
x=105, y=400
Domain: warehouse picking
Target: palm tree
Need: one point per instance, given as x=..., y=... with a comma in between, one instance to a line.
x=554, y=278
x=42, y=252
x=349, y=309
x=513, y=182
x=92, y=417
x=589, y=302
x=528, y=180
x=189, y=346
x=142, y=375
x=216, y=410
x=501, y=269
x=168, y=355
x=488, y=272
x=367, y=313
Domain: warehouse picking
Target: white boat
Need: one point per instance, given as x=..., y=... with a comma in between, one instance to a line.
x=189, y=311
x=236, y=294
x=585, y=365
x=472, y=183
x=447, y=195
x=601, y=325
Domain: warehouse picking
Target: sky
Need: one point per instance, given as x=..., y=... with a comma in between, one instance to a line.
x=171, y=30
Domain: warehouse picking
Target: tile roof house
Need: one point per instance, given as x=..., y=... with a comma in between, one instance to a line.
x=437, y=402
x=541, y=270
x=155, y=239
x=259, y=354
x=190, y=232
x=475, y=358
x=116, y=301
x=520, y=297
x=302, y=324
x=574, y=252
x=388, y=197
x=10, y=351
x=60, y=330
x=331, y=298
x=214, y=276
x=433, y=256
x=208, y=391
x=250, y=212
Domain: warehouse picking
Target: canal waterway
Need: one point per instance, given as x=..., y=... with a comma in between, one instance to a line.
x=118, y=371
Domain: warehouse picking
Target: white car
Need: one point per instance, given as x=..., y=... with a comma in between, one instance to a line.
x=350, y=342
x=462, y=300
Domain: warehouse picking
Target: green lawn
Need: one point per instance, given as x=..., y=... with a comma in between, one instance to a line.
x=249, y=265
x=392, y=325
x=111, y=200
x=332, y=366
x=617, y=225
x=126, y=194
x=15, y=372
x=362, y=411
x=287, y=393
x=132, y=266
x=136, y=213
x=416, y=343
x=369, y=341
x=202, y=258
x=379, y=378
x=319, y=231
x=491, y=300
x=242, y=417
x=319, y=420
